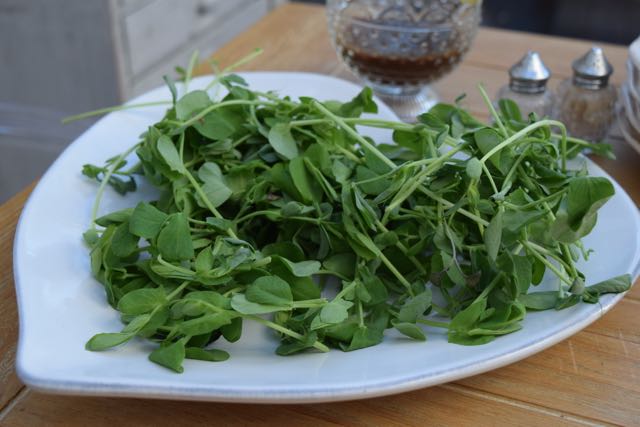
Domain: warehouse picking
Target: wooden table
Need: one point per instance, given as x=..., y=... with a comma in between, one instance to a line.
x=590, y=379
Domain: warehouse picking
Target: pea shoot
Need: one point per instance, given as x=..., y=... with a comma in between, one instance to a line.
x=264, y=201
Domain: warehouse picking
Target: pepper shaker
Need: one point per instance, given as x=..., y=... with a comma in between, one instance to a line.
x=585, y=102
x=528, y=86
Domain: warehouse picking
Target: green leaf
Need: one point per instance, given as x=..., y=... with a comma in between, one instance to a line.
x=219, y=124
x=172, y=87
x=116, y=217
x=335, y=311
x=373, y=161
x=340, y=171
x=191, y=104
x=319, y=156
x=210, y=297
x=468, y=339
x=91, y=237
x=174, y=241
x=297, y=346
x=614, y=285
x=146, y=220
x=414, y=307
x=509, y=110
x=233, y=331
x=540, y=300
x=209, y=170
x=149, y=327
x=204, y=324
x=220, y=224
x=240, y=304
x=282, y=141
x=361, y=103
x=303, y=181
x=204, y=260
x=585, y=196
x=170, y=356
x=372, y=187
x=141, y=301
x=579, y=211
x=487, y=139
x=375, y=288
x=211, y=355
x=170, y=154
x=411, y=330
x=123, y=243
x=467, y=318
x=474, y=168
x=493, y=235
x=302, y=268
x=364, y=337
x=216, y=190
x=287, y=250
x=519, y=267
x=107, y=340
x=567, y=302
x=343, y=264
x=270, y=290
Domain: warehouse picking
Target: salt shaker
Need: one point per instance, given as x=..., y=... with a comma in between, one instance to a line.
x=528, y=86
x=585, y=102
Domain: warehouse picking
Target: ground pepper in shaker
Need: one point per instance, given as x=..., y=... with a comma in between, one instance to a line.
x=528, y=86
x=586, y=102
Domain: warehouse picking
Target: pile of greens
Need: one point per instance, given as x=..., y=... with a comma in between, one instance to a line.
x=264, y=201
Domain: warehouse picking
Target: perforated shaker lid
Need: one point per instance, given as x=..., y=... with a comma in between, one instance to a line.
x=592, y=70
x=529, y=75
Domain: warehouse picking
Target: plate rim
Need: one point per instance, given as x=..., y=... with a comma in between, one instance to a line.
x=302, y=394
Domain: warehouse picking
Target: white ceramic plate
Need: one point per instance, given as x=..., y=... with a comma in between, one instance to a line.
x=61, y=306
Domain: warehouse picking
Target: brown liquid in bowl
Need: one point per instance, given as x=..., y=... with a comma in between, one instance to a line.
x=399, y=70
x=400, y=53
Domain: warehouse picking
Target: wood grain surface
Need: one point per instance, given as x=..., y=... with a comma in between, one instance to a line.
x=593, y=378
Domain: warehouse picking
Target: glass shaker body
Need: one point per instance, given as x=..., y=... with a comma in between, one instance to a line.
x=587, y=113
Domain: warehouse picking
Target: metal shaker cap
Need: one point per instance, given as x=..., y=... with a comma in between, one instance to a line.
x=529, y=75
x=592, y=70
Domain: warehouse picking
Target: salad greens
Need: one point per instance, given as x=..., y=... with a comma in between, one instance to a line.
x=266, y=201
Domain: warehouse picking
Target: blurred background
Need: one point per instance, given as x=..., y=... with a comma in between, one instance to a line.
x=61, y=57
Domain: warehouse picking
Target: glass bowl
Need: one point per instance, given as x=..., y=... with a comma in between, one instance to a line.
x=398, y=47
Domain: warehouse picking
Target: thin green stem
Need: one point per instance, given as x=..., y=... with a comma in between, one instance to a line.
x=206, y=201
x=222, y=104
x=177, y=290
x=333, y=273
x=546, y=262
x=311, y=303
x=257, y=52
x=513, y=170
x=402, y=248
x=547, y=252
x=412, y=184
x=318, y=345
x=490, y=287
x=492, y=110
x=490, y=177
x=392, y=268
x=516, y=136
x=97, y=112
x=105, y=181
x=539, y=201
x=178, y=269
x=447, y=204
x=339, y=121
x=192, y=63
